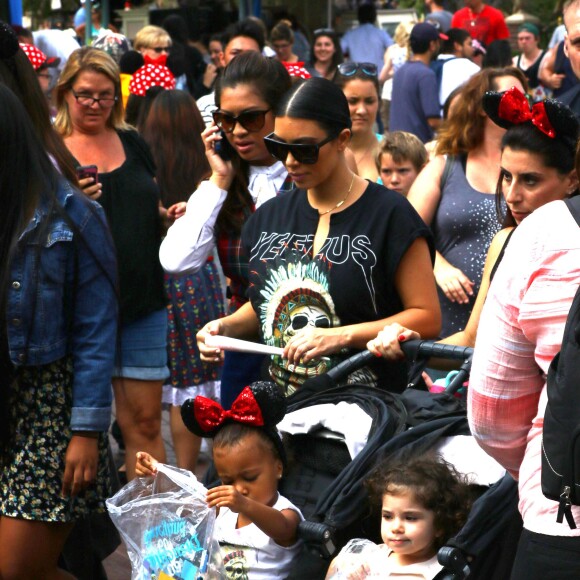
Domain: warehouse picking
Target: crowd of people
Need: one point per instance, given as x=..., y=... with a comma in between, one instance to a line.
x=316, y=193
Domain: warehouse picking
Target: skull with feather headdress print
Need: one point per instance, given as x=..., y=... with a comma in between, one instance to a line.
x=295, y=297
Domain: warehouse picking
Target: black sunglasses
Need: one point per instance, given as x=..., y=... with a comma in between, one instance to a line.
x=251, y=121
x=306, y=153
x=348, y=69
x=160, y=49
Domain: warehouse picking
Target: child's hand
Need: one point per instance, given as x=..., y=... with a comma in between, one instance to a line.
x=146, y=465
x=226, y=496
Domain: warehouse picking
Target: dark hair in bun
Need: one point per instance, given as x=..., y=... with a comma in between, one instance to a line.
x=319, y=100
x=8, y=41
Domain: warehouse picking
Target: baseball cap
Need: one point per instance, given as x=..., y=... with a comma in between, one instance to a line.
x=530, y=27
x=425, y=31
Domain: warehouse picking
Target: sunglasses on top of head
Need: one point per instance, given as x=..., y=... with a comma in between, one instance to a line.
x=251, y=121
x=348, y=69
x=306, y=153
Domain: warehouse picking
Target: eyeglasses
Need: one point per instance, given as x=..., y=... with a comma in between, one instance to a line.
x=45, y=75
x=160, y=49
x=348, y=69
x=306, y=153
x=88, y=101
x=252, y=121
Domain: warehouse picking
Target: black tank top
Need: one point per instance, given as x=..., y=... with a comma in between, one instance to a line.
x=532, y=71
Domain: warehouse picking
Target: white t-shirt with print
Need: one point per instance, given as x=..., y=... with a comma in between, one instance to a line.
x=248, y=552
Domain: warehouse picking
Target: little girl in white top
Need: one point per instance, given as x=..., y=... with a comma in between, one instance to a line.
x=256, y=526
x=424, y=503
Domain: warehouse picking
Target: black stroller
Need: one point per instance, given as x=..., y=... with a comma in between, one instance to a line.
x=328, y=486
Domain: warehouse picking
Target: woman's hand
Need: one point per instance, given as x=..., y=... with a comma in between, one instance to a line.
x=81, y=460
x=209, y=75
x=387, y=342
x=226, y=496
x=454, y=283
x=90, y=188
x=222, y=171
x=146, y=465
x=176, y=210
x=210, y=353
x=312, y=343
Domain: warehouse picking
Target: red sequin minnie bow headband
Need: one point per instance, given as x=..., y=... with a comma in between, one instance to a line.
x=245, y=409
x=514, y=107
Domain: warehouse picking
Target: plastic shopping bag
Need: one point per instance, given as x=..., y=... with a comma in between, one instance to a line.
x=166, y=525
x=360, y=558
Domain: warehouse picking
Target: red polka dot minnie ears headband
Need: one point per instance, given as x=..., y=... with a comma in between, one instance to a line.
x=151, y=75
x=37, y=58
x=512, y=108
x=260, y=405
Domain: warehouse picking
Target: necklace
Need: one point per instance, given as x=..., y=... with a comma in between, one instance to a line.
x=341, y=202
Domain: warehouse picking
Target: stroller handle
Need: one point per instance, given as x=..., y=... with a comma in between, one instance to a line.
x=320, y=537
x=429, y=348
x=412, y=349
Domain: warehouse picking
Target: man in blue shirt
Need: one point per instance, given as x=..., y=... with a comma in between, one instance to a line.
x=415, y=101
x=366, y=43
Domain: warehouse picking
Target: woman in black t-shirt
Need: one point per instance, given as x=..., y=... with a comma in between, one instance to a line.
x=334, y=260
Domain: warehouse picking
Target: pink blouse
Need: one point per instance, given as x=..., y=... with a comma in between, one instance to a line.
x=520, y=331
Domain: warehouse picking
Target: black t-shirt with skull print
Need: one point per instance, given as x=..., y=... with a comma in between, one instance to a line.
x=350, y=281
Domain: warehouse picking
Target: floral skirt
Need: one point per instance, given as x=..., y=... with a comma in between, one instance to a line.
x=194, y=300
x=40, y=404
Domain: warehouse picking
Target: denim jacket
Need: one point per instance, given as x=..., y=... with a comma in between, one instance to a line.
x=47, y=319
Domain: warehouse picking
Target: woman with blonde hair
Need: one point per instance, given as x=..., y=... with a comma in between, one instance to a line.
x=395, y=56
x=454, y=194
x=90, y=119
x=153, y=42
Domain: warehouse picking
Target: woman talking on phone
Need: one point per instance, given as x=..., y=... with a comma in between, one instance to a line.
x=332, y=261
x=244, y=175
x=90, y=119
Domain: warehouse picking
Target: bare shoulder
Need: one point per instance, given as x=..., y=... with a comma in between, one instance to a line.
x=498, y=241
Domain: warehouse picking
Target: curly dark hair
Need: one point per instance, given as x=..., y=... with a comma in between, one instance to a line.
x=434, y=483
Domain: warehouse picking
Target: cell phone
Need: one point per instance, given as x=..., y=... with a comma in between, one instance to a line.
x=88, y=171
x=223, y=148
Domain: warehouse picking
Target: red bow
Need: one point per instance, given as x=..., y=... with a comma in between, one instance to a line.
x=245, y=409
x=161, y=59
x=514, y=107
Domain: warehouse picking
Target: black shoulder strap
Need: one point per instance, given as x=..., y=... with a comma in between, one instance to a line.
x=573, y=204
x=500, y=255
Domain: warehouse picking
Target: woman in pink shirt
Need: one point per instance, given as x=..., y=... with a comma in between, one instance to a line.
x=520, y=332
x=522, y=321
